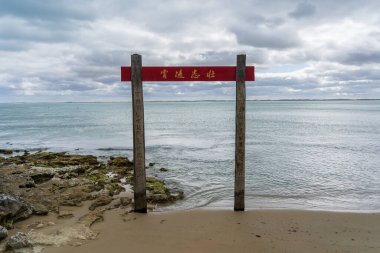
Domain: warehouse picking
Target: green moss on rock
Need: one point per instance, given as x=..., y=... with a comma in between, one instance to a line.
x=97, y=176
x=159, y=193
x=114, y=188
x=120, y=162
x=78, y=177
x=157, y=187
x=54, y=160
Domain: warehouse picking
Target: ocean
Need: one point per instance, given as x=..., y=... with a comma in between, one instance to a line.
x=317, y=155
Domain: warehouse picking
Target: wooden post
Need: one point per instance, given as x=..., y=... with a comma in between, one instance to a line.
x=239, y=204
x=138, y=135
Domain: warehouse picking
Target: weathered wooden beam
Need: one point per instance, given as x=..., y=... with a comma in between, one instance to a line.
x=138, y=135
x=239, y=203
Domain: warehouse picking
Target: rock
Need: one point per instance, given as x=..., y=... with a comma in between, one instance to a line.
x=73, y=175
x=114, y=188
x=40, y=225
x=159, y=193
x=4, y=219
x=164, y=169
x=13, y=209
x=93, y=172
x=120, y=162
x=3, y=232
x=74, y=195
x=100, y=201
x=55, y=160
x=74, y=182
x=65, y=214
x=70, y=202
x=151, y=206
x=28, y=184
x=158, y=198
x=18, y=241
x=176, y=196
x=47, y=181
x=91, y=217
x=43, y=177
x=36, y=225
x=6, y=151
x=156, y=186
x=96, y=194
x=125, y=201
x=39, y=209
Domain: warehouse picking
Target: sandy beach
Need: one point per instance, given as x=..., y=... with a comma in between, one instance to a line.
x=228, y=231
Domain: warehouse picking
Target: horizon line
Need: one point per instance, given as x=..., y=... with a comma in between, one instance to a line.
x=202, y=100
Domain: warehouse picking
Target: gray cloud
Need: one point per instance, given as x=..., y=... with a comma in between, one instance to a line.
x=47, y=10
x=73, y=50
x=265, y=32
x=16, y=29
x=266, y=37
x=361, y=57
x=302, y=10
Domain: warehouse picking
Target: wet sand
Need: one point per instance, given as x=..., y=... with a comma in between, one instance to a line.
x=228, y=231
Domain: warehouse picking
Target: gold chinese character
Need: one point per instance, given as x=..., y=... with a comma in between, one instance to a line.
x=210, y=74
x=164, y=73
x=195, y=74
x=179, y=74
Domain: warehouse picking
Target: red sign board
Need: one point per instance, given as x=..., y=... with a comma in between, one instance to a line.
x=189, y=74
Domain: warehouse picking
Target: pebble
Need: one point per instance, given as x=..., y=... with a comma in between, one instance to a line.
x=40, y=225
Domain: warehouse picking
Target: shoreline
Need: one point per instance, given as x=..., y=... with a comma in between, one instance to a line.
x=257, y=204
x=252, y=209
x=200, y=230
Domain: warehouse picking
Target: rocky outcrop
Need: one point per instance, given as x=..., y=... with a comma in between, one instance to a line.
x=120, y=162
x=42, y=182
x=13, y=208
x=49, y=180
x=54, y=160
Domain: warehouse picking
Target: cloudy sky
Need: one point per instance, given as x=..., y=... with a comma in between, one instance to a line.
x=72, y=50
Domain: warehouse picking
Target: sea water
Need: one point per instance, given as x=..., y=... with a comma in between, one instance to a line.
x=322, y=155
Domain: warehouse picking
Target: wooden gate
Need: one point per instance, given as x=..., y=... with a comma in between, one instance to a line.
x=136, y=74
